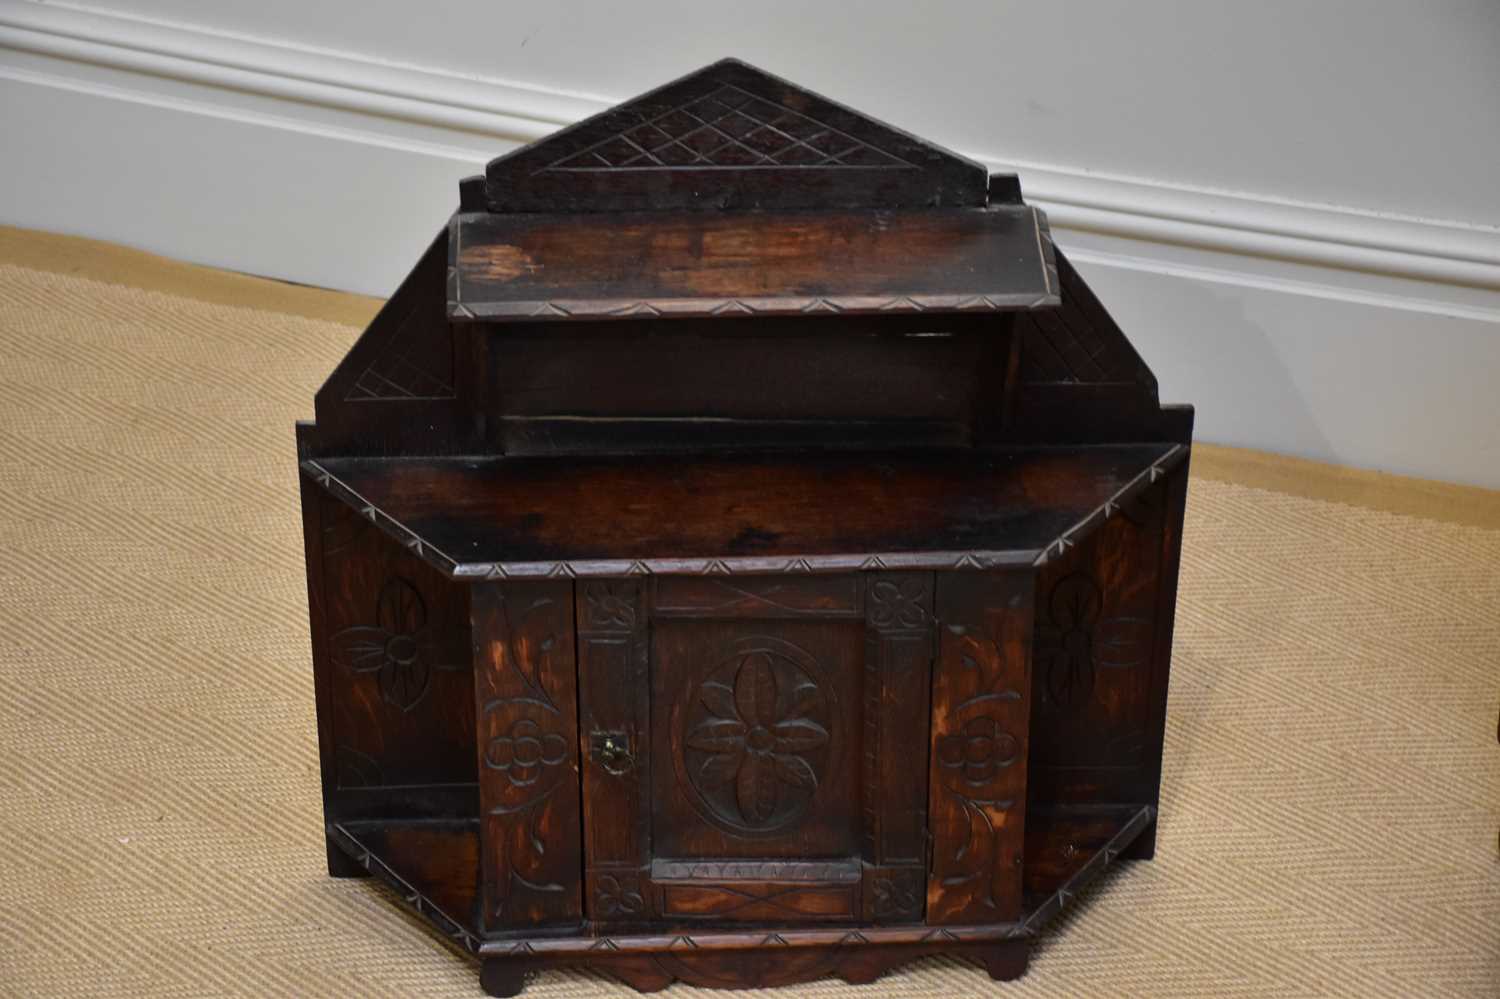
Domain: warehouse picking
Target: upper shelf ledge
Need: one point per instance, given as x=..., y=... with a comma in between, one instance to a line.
x=626, y=265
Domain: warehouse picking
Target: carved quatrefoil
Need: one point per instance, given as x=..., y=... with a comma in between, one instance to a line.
x=755, y=739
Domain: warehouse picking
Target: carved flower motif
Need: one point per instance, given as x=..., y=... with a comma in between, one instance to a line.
x=756, y=739
x=979, y=750
x=524, y=753
x=609, y=604
x=898, y=603
x=897, y=897
x=1075, y=640
x=399, y=646
x=614, y=898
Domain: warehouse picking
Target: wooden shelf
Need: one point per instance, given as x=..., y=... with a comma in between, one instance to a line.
x=743, y=513
x=434, y=866
x=544, y=267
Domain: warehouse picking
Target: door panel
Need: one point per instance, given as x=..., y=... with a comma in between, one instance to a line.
x=756, y=749
x=755, y=727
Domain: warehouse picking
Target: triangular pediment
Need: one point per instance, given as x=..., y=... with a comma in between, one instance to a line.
x=729, y=137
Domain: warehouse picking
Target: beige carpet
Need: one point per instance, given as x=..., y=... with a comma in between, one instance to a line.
x=1332, y=788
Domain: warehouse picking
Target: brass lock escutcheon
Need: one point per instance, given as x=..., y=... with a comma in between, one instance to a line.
x=611, y=750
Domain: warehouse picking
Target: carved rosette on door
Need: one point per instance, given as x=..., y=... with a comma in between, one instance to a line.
x=756, y=698
x=756, y=740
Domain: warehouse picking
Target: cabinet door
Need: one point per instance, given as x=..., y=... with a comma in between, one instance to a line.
x=776, y=732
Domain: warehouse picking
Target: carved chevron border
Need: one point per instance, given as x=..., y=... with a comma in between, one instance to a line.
x=1085, y=875
x=1157, y=470
x=610, y=308
x=699, y=307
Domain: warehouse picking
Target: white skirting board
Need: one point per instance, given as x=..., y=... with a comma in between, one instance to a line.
x=1363, y=339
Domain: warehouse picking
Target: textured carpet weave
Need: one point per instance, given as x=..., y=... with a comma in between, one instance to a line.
x=1332, y=785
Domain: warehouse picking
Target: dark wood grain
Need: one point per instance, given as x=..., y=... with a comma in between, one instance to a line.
x=755, y=736
x=757, y=511
x=980, y=705
x=1097, y=646
x=562, y=267
x=742, y=552
x=678, y=384
x=614, y=699
x=525, y=685
x=899, y=645
x=837, y=597
x=401, y=387
x=423, y=861
x=396, y=667
x=730, y=136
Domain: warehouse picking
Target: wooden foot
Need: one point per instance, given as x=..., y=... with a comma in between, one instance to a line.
x=500, y=976
x=1004, y=961
x=341, y=865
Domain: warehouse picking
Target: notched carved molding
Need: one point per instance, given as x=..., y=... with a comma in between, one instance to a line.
x=978, y=560
x=660, y=308
x=755, y=870
x=1115, y=505
x=750, y=901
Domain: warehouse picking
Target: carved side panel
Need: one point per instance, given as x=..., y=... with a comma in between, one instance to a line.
x=614, y=713
x=979, y=744
x=398, y=660
x=526, y=694
x=1101, y=659
x=898, y=676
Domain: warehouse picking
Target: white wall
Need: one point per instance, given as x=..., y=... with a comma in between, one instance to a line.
x=1291, y=207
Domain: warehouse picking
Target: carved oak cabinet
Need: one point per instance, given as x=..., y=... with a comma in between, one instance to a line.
x=742, y=551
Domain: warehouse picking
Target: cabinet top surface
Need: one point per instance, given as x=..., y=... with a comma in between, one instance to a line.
x=612, y=516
